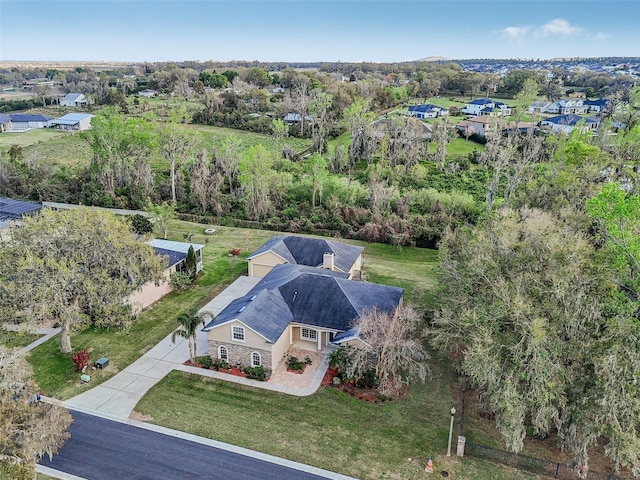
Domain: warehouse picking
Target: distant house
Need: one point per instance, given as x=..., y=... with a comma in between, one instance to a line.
x=21, y=122
x=426, y=111
x=312, y=252
x=293, y=118
x=294, y=305
x=566, y=123
x=571, y=106
x=175, y=254
x=596, y=106
x=73, y=100
x=578, y=94
x=147, y=93
x=540, y=106
x=480, y=125
x=486, y=106
x=73, y=122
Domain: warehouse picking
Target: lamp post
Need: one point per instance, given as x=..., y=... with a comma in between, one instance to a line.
x=453, y=412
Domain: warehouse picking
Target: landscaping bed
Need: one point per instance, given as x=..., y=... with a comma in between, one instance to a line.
x=332, y=379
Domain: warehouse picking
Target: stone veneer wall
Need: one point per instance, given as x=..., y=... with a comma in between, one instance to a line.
x=240, y=353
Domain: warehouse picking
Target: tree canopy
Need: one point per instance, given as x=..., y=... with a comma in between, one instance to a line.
x=538, y=325
x=73, y=267
x=29, y=428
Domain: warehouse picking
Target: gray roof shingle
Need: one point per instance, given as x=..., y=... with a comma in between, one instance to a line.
x=14, y=209
x=310, y=251
x=294, y=293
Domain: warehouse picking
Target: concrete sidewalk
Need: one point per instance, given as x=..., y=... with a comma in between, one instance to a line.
x=119, y=395
x=46, y=333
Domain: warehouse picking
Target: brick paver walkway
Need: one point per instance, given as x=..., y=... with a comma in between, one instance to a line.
x=281, y=376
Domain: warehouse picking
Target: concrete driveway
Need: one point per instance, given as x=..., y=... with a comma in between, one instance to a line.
x=119, y=395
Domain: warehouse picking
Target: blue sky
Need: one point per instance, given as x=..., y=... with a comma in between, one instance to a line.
x=324, y=30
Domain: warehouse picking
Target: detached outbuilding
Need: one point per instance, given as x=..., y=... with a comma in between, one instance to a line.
x=73, y=122
x=73, y=100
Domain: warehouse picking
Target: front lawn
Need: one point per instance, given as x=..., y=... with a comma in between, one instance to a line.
x=329, y=429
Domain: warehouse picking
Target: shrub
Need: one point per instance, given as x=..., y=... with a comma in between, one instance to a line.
x=256, y=373
x=140, y=224
x=339, y=359
x=220, y=365
x=307, y=361
x=368, y=380
x=294, y=363
x=204, y=360
x=180, y=280
x=80, y=359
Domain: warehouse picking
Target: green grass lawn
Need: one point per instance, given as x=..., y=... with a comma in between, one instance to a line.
x=66, y=149
x=13, y=339
x=58, y=148
x=30, y=137
x=210, y=137
x=329, y=429
x=460, y=147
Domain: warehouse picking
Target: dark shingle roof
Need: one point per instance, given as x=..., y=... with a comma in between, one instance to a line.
x=310, y=251
x=171, y=256
x=424, y=108
x=601, y=102
x=481, y=101
x=14, y=209
x=26, y=117
x=570, y=119
x=294, y=293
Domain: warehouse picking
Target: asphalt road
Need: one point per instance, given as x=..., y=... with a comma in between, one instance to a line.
x=101, y=449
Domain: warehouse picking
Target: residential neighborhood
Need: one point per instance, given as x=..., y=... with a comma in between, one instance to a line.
x=245, y=240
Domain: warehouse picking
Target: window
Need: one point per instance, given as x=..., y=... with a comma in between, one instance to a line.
x=308, y=334
x=223, y=353
x=256, y=361
x=237, y=334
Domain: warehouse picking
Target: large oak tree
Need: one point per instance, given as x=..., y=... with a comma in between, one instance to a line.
x=72, y=268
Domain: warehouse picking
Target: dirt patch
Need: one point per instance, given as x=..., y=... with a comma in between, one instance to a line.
x=141, y=417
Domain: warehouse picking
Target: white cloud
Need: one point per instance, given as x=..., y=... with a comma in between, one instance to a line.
x=515, y=32
x=558, y=26
x=601, y=36
x=555, y=27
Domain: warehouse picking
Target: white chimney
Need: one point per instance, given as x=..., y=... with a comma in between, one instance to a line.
x=328, y=261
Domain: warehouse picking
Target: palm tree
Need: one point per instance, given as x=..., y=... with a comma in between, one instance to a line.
x=189, y=323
